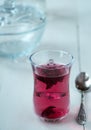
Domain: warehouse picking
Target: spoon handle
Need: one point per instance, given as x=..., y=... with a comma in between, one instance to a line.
x=81, y=118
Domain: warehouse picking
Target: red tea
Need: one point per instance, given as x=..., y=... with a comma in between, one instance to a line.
x=51, y=91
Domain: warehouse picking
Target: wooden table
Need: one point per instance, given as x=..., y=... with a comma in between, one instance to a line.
x=68, y=28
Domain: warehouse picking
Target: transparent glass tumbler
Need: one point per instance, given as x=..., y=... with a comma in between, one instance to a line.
x=51, y=70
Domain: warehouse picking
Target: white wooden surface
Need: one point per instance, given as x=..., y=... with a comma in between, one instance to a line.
x=16, y=80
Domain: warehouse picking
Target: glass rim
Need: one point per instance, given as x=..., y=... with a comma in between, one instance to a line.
x=56, y=50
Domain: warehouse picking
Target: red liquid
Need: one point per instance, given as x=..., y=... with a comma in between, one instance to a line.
x=51, y=91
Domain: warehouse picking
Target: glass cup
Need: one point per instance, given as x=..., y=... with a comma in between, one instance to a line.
x=51, y=70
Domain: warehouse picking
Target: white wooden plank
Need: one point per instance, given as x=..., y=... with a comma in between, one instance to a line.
x=17, y=83
x=84, y=9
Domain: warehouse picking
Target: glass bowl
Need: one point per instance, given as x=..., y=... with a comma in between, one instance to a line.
x=22, y=24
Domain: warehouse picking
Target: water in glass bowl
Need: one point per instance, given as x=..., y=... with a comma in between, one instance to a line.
x=21, y=29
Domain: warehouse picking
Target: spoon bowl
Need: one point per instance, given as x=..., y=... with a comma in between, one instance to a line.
x=83, y=82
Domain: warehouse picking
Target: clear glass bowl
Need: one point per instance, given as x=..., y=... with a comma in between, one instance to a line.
x=22, y=24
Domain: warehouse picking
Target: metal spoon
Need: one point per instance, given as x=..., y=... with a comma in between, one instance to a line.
x=83, y=83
